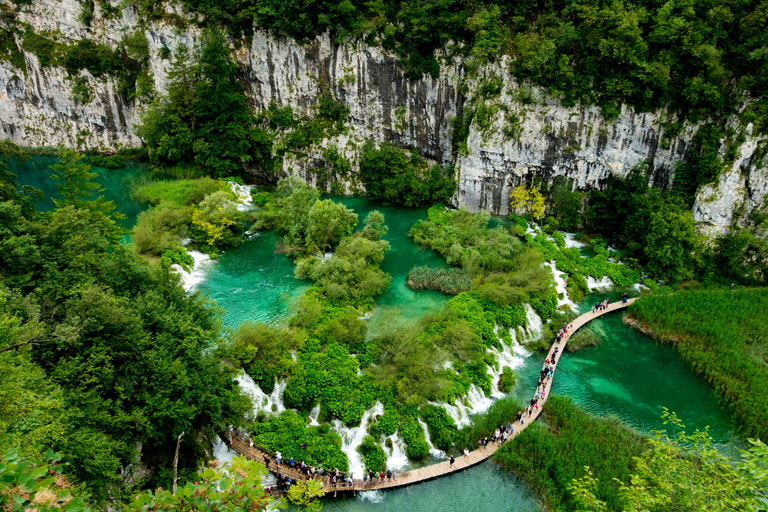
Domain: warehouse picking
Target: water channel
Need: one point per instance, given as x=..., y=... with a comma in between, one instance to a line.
x=628, y=374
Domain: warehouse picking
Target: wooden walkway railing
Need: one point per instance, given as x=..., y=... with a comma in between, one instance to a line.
x=441, y=468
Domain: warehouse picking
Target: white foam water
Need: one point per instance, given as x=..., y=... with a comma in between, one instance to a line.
x=372, y=496
x=352, y=438
x=269, y=403
x=602, y=284
x=313, y=414
x=570, y=240
x=396, y=458
x=189, y=280
x=505, y=358
x=434, y=452
x=464, y=408
x=533, y=330
x=221, y=452
x=243, y=193
x=560, y=287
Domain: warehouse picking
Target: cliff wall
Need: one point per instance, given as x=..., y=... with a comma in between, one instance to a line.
x=525, y=133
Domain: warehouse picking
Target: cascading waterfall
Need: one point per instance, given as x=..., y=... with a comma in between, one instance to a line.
x=271, y=404
x=313, y=414
x=570, y=240
x=464, y=408
x=505, y=358
x=221, y=452
x=434, y=452
x=243, y=193
x=602, y=284
x=396, y=458
x=560, y=287
x=352, y=438
x=533, y=331
x=189, y=280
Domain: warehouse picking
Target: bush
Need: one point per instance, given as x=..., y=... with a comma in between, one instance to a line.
x=442, y=429
x=507, y=380
x=483, y=425
x=374, y=457
x=108, y=162
x=261, y=198
x=583, y=338
x=161, y=229
x=413, y=435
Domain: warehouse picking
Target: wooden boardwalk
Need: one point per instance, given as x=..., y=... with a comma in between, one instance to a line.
x=441, y=468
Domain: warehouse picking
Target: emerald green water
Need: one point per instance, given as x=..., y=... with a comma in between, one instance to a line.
x=628, y=374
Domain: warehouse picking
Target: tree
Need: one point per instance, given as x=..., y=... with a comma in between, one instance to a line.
x=76, y=188
x=214, y=215
x=671, y=241
x=236, y=488
x=328, y=222
x=305, y=493
x=685, y=472
x=527, y=201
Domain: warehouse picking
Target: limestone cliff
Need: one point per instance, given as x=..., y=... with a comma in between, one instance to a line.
x=523, y=137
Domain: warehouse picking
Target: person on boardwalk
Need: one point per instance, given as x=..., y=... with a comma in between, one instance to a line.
x=466, y=452
x=452, y=461
x=394, y=474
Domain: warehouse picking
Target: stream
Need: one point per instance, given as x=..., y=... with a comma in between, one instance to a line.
x=628, y=374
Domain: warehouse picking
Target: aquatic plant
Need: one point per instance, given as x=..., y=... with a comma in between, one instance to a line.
x=450, y=281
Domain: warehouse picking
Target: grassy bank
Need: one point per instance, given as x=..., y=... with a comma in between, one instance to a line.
x=549, y=455
x=723, y=335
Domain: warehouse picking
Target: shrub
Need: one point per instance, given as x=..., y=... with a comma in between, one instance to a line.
x=160, y=229
x=181, y=192
x=442, y=429
x=374, y=457
x=507, y=380
x=108, y=161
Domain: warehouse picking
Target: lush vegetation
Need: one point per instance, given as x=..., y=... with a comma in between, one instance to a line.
x=722, y=334
x=103, y=357
x=655, y=229
x=549, y=456
x=683, y=471
x=393, y=176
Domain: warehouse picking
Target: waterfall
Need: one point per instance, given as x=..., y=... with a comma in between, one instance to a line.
x=313, y=414
x=506, y=357
x=570, y=240
x=271, y=404
x=434, y=452
x=221, y=452
x=533, y=331
x=243, y=193
x=353, y=437
x=560, y=287
x=602, y=284
x=474, y=403
x=189, y=280
x=396, y=458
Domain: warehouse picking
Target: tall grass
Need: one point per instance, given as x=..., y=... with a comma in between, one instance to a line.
x=483, y=425
x=450, y=281
x=549, y=454
x=178, y=192
x=723, y=335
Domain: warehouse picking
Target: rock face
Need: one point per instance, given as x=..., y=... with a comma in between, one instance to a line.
x=524, y=137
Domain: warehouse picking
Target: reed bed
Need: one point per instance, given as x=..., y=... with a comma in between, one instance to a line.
x=723, y=335
x=450, y=281
x=549, y=455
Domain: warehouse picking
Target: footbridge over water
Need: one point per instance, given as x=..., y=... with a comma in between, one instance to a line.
x=441, y=468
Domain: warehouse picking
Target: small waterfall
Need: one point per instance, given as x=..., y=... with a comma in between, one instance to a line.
x=533, y=331
x=243, y=193
x=372, y=496
x=221, y=452
x=602, y=284
x=313, y=414
x=189, y=280
x=560, y=287
x=434, y=452
x=474, y=403
x=396, y=458
x=505, y=358
x=353, y=437
x=570, y=240
x=270, y=404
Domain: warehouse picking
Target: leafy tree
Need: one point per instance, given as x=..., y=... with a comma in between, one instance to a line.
x=671, y=241
x=231, y=489
x=328, y=222
x=528, y=201
x=305, y=493
x=212, y=218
